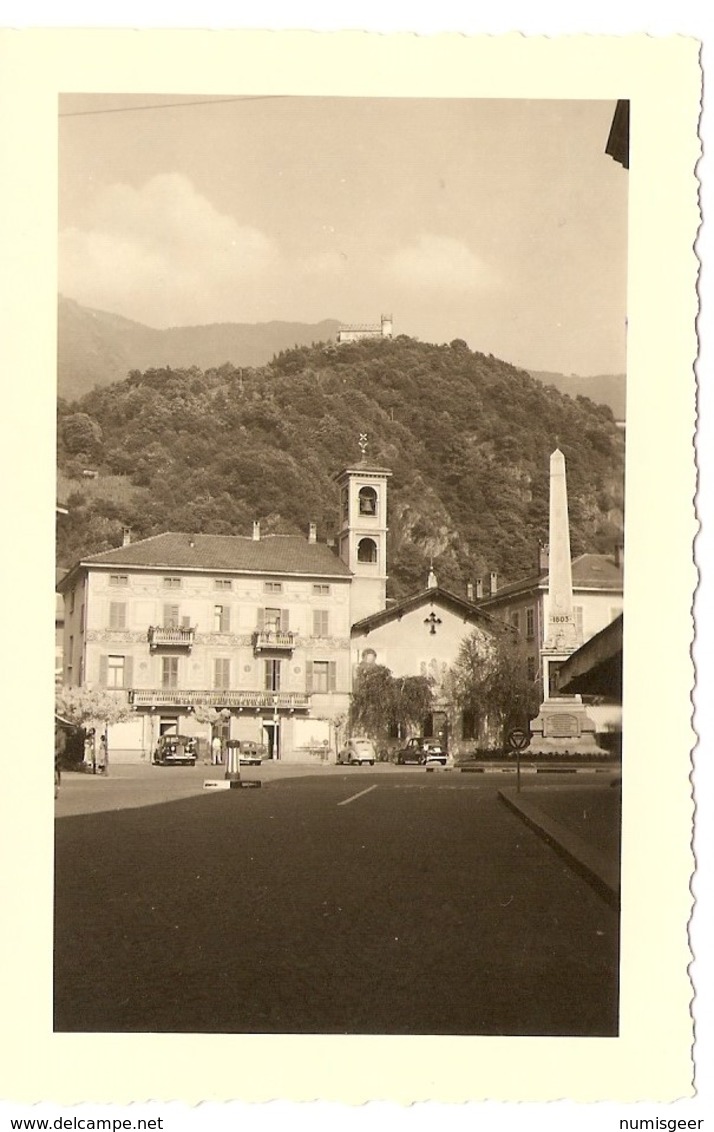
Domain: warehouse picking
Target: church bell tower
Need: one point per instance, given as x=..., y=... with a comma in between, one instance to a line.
x=363, y=533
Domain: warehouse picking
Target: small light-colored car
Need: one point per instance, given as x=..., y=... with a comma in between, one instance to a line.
x=251, y=754
x=358, y=752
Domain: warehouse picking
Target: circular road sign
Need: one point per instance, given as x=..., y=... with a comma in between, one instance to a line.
x=518, y=739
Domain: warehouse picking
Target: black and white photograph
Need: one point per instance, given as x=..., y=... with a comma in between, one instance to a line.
x=340, y=474
x=366, y=442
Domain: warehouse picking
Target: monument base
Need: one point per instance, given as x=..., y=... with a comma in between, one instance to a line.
x=563, y=727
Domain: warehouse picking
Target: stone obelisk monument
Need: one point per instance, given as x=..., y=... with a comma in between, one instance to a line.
x=562, y=726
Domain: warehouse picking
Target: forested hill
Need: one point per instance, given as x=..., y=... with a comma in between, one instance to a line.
x=468, y=439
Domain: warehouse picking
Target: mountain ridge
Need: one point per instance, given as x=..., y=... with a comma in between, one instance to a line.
x=97, y=347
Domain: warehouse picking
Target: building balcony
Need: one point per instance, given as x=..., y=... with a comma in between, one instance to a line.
x=185, y=698
x=273, y=640
x=170, y=637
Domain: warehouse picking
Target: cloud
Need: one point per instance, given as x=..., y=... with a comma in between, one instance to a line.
x=163, y=254
x=439, y=263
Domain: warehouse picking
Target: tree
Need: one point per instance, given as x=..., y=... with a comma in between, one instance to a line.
x=93, y=707
x=381, y=701
x=81, y=434
x=489, y=679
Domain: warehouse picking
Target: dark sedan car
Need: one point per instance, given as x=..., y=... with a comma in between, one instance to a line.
x=421, y=752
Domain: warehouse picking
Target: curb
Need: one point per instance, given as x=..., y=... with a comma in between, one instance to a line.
x=485, y=768
x=592, y=864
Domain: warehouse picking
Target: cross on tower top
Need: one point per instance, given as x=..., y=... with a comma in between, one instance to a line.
x=363, y=443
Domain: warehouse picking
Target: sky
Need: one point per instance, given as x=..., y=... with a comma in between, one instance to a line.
x=502, y=222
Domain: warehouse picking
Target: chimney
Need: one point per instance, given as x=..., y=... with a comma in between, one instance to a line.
x=312, y=532
x=256, y=531
x=479, y=589
x=494, y=582
x=126, y=536
x=543, y=557
x=619, y=554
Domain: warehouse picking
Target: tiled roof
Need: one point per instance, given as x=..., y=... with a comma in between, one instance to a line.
x=433, y=595
x=590, y=572
x=271, y=554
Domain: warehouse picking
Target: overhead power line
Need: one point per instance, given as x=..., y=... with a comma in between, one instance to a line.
x=169, y=105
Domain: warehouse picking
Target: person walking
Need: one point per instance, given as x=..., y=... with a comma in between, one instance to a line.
x=216, y=751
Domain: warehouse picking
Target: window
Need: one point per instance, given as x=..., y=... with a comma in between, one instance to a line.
x=221, y=618
x=320, y=623
x=530, y=623
x=272, y=587
x=367, y=501
x=117, y=615
x=221, y=672
x=273, y=620
x=272, y=675
x=172, y=583
x=222, y=584
x=171, y=617
x=115, y=672
x=71, y=601
x=169, y=672
x=516, y=620
x=531, y=668
x=118, y=579
x=70, y=658
x=321, y=676
x=321, y=589
x=366, y=550
x=81, y=618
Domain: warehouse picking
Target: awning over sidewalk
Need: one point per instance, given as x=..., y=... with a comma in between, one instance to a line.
x=596, y=667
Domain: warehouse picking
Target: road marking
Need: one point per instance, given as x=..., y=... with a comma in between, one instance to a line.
x=355, y=796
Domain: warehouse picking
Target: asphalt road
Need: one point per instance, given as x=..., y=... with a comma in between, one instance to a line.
x=356, y=903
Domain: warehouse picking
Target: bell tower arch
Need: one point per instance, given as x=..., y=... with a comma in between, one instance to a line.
x=363, y=533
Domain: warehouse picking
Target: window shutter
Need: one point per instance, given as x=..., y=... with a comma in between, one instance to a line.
x=128, y=671
x=316, y=623
x=284, y=620
x=171, y=616
x=226, y=619
x=261, y=618
x=185, y=622
x=308, y=676
x=103, y=671
x=332, y=676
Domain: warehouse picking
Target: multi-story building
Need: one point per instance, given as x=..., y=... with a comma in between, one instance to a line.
x=257, y=628
x=597, y=600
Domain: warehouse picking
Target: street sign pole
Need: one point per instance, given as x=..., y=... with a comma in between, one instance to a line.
x=518, y=740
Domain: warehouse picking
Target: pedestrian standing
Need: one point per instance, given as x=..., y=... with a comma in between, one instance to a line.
x=216, y=751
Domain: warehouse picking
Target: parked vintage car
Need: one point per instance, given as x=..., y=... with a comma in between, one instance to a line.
x=252, y=754
x=358, y=752
x=422, y=752
x=176, y=750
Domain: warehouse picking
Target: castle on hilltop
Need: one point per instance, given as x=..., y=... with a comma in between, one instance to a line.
x=358, y=331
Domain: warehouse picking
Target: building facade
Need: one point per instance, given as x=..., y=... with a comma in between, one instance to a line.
x=597, y=600
x=256, y=628
x=422, y=636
